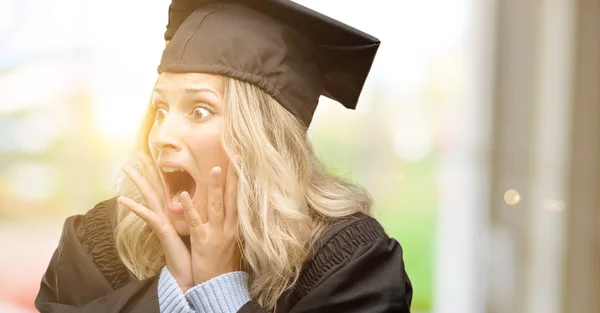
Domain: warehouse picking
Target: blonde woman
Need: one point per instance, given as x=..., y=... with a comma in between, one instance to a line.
x=228, y=209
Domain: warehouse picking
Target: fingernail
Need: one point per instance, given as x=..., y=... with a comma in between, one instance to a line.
x=215, y=176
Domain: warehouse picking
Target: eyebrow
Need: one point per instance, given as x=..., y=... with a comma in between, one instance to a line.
x=189, y=91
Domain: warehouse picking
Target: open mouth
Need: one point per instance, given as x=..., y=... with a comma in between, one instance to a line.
x=177, y=181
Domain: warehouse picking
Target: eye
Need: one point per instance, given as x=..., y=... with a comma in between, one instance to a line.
x=160, y=114
x=201, y=113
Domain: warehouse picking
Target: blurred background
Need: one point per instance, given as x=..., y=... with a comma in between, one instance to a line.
x=478, y=134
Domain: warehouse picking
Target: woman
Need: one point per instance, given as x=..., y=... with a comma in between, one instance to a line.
x=230, y=210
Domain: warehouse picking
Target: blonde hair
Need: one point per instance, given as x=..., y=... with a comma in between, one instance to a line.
x=286, y=197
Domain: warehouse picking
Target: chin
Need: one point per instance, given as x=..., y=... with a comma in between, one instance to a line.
x=181, y=227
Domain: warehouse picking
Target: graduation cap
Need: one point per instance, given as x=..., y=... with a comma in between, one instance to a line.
x=293, y=53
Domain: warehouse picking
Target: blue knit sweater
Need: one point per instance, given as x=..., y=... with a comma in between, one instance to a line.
x=226, y=293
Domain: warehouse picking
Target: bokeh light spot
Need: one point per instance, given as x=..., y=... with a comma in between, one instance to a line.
x=512, y=197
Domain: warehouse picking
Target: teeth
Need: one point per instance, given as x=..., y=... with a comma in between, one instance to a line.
x=170, y=169
x=175, y=199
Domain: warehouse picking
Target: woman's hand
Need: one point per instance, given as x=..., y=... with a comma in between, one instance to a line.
x=176, y=253
x=215, y=249
x=214, y=246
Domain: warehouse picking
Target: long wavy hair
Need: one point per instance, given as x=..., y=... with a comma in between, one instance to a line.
x=286, y=197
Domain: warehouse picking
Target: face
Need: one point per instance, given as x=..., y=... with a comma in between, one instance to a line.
x=185, y=140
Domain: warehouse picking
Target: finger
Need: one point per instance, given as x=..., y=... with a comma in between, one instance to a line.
x=170, y=240
x=231, y=185
x=150, y=217
x=152, y=200
x=215, y=199
x=191, y=215
x=152, y=175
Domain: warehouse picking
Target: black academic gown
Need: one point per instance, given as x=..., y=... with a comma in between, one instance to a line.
x=355, y=267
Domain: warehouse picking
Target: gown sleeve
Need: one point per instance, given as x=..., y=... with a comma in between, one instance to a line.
x=373, y=280
x=360, y=269
x=85, y=275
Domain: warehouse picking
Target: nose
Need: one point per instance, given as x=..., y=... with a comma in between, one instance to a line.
x=166, y=134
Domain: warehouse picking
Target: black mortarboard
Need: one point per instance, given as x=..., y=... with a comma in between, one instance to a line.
x=293, y=53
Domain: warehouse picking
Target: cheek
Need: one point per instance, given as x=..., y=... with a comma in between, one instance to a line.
x=151, y=145
x=206, y=139
x=207, y=150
